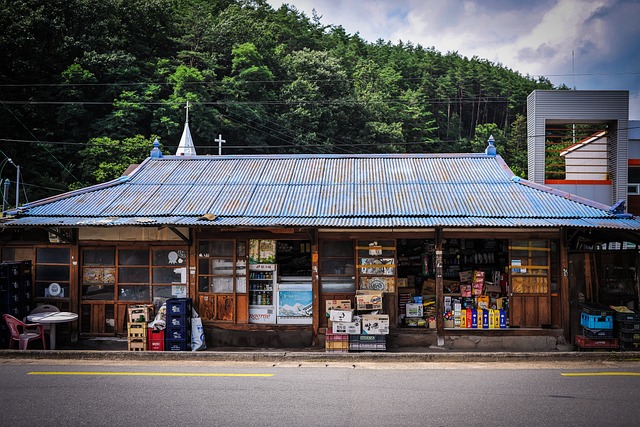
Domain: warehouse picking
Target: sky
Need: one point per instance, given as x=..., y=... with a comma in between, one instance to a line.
x=584, y=44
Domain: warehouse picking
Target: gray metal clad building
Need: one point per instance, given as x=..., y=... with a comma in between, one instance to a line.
x=610, y=107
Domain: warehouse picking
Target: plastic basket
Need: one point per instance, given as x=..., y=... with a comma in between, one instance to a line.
x=597, y=333
x=179, y=306
x=596, y=322
x=597, y=309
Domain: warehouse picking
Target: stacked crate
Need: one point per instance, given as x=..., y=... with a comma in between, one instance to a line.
x=596, y=321
x=177, y=335
x=336, y=343
x=15, y=294
x=627, y=329
x=137, y=336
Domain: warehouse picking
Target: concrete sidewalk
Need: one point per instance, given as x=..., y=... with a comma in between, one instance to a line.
x=117, y=350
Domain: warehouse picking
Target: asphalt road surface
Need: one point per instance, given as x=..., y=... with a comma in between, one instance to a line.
x=76, y=393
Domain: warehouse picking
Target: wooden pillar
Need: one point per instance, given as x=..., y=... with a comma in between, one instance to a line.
x=74, y=291
x=315, y=292
x=439, y=290
x=565, y=310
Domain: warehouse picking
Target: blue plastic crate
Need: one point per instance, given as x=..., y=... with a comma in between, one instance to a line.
x=178, y=321
x=180, y=333
x=179, y=306
x=177, y=345
x=596, y=322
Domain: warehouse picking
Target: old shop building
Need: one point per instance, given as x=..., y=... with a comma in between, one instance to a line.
x=209, y=227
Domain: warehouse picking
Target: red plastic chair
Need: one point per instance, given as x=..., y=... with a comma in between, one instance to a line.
x=24, y=333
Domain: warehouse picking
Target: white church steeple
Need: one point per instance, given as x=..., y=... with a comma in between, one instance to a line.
x=186, y=147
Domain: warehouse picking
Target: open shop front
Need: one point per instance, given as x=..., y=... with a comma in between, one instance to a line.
x=487, y=283
x=604, y=297
x=255, y=282
x=482, y=284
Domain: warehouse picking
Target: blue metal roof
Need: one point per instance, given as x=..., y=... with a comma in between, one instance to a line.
x=455, y=190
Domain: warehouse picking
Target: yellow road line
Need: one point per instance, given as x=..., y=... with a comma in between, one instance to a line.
x=602, y=374
x=146, y=374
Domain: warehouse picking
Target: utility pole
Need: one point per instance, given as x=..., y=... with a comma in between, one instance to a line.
x=17, y=182
x=5, y=195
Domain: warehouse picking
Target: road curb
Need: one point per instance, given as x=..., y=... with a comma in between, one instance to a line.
x=303, y=356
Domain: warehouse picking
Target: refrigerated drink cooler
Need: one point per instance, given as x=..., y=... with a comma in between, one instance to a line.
x=294, y=301
x=262, y=293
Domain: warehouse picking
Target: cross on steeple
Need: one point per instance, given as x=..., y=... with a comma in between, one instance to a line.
x=220, y=141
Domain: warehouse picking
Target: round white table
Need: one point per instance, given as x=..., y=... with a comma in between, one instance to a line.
x=52, y=318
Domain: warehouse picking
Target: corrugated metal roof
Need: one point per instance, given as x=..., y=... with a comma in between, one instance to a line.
x=321, y=191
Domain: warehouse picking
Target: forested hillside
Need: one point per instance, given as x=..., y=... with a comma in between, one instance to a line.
x=86, y=86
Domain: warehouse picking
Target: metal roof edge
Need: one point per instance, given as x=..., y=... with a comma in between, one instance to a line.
x=328, y=156
x=22, y=209
x=561, y=193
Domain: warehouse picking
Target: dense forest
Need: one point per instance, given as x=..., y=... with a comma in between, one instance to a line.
x=86, y=86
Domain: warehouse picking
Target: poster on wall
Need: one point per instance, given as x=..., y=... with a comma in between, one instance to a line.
x=262, y=251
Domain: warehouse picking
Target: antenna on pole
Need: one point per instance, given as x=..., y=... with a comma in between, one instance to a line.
x=17, y=182
x=573, y=68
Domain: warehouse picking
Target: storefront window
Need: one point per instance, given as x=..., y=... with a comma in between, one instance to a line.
x=337, y=266
x=52, y=267
x=529, y=266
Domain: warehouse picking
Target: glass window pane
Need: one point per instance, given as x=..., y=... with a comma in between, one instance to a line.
x=241, y=249
x=216, y=248
x=162, y=292
x=98, y=275
x=52, y=273
x=98, y=292
x=222, y=266
x=169, y=275
x=634, y=175
x=222, y=285
x=337, y=248
x=53, y=255
x=203, y=266
x=133, y=257
x=133, y=275
x=133, y=293
x=169, y=257
x=99, y=257
x=203, y=284
x=42, y=290
x=241, y=285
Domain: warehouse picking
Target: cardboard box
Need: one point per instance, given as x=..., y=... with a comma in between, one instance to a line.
x=368, y=300
x=341, y=315
x=375, y=324
x=337, y=304
x=348, y=328
x=415, y=310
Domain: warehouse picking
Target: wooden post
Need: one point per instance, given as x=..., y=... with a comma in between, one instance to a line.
x=565, y=310
x=439, y=290
x=315, y=292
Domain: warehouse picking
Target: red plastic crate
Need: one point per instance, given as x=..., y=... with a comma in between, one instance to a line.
x=155, y=340
x=583, y=342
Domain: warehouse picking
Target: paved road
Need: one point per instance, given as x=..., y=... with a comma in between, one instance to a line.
x=194, y=393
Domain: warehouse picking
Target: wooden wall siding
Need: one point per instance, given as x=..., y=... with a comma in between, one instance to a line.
x=206, y=307
x=242, y=312
x=224, y=307
x=530, y=311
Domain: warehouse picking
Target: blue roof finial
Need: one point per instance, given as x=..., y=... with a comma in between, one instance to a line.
x=491, y=148
x=155, y=152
